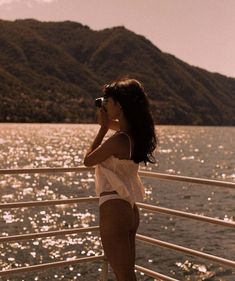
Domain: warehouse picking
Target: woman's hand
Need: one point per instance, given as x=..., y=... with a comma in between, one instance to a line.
x=103, y=119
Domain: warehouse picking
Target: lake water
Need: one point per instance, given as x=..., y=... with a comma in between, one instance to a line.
x=205, y=152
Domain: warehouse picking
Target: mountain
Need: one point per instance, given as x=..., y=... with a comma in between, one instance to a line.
x=53, y=71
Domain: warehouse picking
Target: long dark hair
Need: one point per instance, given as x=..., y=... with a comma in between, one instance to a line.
x=135, y=106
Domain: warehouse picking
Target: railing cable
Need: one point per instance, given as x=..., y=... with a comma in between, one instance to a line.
x=154, y=274
x=50, y=265
x=200, y=181
x=164, y=244
x=143, y=173
x=186, y=215
x=14, y=238
x=48, y=202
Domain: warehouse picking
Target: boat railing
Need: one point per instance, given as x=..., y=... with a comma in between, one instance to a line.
x=104, y=274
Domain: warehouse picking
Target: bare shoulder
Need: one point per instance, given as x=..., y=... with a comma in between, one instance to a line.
x=120, y=144
x=120, y=138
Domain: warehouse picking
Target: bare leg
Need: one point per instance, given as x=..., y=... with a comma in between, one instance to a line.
x=117, y=229
x=133, y=233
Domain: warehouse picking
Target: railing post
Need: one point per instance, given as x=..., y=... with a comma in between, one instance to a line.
x=105, y=269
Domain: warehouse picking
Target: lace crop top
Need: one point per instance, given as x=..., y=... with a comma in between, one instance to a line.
x=120, y=175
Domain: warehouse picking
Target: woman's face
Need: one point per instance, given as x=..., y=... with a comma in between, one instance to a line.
x=113, y=108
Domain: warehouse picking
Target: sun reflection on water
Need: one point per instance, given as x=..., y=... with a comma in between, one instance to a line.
x=179, y=152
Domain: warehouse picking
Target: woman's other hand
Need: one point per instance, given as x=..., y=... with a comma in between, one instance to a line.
x=103, y=119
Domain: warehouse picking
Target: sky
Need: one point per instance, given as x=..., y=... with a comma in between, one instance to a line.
x=199, y=32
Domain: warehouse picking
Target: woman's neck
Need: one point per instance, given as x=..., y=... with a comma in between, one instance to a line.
x=123, y=124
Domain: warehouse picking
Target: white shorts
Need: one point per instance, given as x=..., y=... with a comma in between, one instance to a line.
x=107, y=197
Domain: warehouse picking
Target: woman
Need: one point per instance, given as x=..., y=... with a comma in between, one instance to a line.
x=126, y=110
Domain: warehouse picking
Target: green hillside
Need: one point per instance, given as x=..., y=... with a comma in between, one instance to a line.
x=52, y=71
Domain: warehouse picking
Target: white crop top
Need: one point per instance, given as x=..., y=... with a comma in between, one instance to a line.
x=120, y=175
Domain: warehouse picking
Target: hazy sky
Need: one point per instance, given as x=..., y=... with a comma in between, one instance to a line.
x=200, y=32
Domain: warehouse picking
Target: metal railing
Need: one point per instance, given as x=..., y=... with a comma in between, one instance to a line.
x=5, y=239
